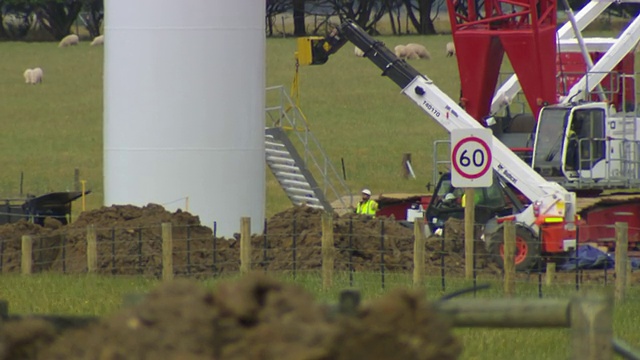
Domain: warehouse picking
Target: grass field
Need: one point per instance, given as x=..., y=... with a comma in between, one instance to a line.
x=89, y=295
x=358, y=116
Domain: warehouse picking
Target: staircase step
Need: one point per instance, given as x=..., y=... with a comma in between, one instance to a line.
x=281, y=160
x=305, y=199
x=296, y=184
x=290, y=176
x=280, y=153
x=311, y=206
x=287, y=168
x=314, y=206
x=304, y=192
x=290, y=170
x=274, y=144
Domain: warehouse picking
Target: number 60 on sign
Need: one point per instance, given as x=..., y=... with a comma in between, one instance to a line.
x=471, y=158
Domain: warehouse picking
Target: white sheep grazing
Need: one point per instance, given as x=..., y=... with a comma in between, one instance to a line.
x=98, y=40
x=451, y=49
x=36, y=75
x=358, y=52
x=27, y=76
x=69, y=40
x=417, y=51
x=401, y=51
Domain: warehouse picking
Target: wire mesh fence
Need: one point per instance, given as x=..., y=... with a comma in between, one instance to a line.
x=361, y=251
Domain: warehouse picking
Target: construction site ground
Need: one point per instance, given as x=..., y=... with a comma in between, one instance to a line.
x=237, y=321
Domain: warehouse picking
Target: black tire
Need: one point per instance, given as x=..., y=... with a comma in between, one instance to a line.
x=528, y=249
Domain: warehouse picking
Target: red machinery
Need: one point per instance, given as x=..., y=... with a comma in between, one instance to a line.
x=571, y=67
x=484, y=30
x=549, y=66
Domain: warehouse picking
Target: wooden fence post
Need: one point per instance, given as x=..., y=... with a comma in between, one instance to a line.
x=469, y=224
x=328, y=251
x=592, y=327
x=551, y=273
x=76, y=179
x=4, y=310
x=621, y=259
x=418, y=252
x=27, y=254
x=509, y=258
x=245, y=245
x=167, y=251
x=92, y=249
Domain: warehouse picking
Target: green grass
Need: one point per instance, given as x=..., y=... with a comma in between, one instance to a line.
x=100, y=296
x=362, y=118
x=358, y=116
x=50, y=129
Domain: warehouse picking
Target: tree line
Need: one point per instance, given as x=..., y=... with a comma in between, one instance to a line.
x=57, y=17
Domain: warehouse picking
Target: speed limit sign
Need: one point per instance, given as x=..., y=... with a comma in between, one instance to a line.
x=471, y=158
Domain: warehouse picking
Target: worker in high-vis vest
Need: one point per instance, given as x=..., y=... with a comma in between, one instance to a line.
x=476, y=197
x=367, y=206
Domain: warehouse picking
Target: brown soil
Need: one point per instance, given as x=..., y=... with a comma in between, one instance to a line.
x=254, y=318
x=129, y=242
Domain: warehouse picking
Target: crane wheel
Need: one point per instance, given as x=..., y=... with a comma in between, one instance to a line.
x=527, y=255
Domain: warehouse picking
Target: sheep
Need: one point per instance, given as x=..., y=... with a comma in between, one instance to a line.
x=401, y=51
x=69, y=40
x=417, y=51
x=33, y=76
x=451, y=49
x=27, y=76
x=358, y=52
x=36, y=76
x=99, y=40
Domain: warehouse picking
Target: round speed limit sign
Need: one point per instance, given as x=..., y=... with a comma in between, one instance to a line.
x=471, y=158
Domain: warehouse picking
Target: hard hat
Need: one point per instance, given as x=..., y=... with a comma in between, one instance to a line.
x=366, y=192
x=449, y=197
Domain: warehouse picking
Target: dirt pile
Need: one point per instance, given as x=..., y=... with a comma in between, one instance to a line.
x=254, y=318
x=361, y=241
x=129, y=241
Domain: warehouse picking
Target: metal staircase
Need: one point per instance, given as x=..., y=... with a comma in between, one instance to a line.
x=297, y=160
x=287, y=166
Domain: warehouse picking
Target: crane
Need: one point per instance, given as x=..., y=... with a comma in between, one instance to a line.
x=552, y=212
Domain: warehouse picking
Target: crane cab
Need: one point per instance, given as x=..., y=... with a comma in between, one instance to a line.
x=582, y=144
x=492, y=201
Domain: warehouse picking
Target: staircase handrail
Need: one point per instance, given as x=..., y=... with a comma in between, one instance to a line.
x=290, y=117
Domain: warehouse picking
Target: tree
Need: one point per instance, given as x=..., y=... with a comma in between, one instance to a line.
x=15, y=18
x=57, y=16
x=93, y=17
x=275, y=7
x=299, y=28
x=394, y=6
x=364, y=13
x=423, y=22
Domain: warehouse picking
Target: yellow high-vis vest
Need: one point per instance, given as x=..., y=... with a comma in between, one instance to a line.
x=368, y=208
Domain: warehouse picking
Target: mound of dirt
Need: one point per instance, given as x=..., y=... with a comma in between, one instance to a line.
x=129, y=241
x=253, y=318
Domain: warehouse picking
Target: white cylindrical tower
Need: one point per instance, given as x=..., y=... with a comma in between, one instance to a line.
x=184, y=93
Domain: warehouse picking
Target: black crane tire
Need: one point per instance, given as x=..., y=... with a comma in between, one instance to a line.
x=528, y=249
